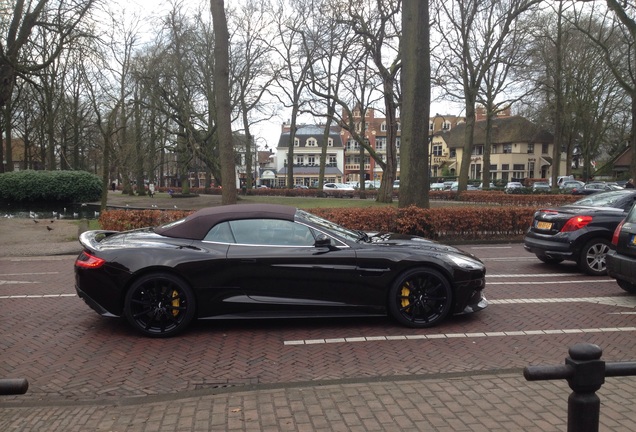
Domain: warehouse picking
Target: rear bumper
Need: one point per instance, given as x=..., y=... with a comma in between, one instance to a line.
x=621, y=267
x=549, y=248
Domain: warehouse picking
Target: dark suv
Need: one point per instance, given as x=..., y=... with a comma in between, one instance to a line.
x=581, y=231
x=621, y=262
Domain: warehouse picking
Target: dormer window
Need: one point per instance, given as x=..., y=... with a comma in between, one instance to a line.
x=330, y=142
x=383, y=127
x=312, y=142
x=296, y=142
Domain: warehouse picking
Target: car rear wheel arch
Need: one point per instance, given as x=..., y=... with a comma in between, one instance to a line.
x=592, y=255
x=156, y=317
x=421, y=297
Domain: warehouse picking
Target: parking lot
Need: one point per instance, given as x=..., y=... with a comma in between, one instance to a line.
x=99, y=369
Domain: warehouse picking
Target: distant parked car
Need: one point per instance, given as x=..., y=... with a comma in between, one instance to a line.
x=541, y=186
x=513, y=186
x=338, y=190
x=621, y=262
x=579, y=232
x=568, y=185
x=299, y=186
x=594, y=187
x=437, y=186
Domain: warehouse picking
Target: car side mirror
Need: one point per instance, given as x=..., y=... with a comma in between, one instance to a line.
x=322, y=241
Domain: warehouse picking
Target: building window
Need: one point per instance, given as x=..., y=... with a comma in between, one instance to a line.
x=505, y=167
x=507, y=148
x=446, y=126
x=453, y=153
x=493, y=149
x=530, y=148
x=518, y=167
x=332, y=160
x=312, y=142
x=437, y=150
x=544, y=149
x=311, y=160
x=475, y=171
x=397, y=143
x=383, y=127
x=296, y=142
x=431, y=126
x=380, y=143
x=300, y=160
x=330, y=142
x=478, y=150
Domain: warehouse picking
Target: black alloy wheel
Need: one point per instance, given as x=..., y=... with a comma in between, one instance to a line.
x=592, y=258
x=420, y=298
x=159, y=305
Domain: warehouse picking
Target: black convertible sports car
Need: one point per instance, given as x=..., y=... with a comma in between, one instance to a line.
x=264, y=261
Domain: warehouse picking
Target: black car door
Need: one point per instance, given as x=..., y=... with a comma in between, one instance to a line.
x=277, y=264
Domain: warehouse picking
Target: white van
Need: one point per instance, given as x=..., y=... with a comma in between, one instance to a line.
x=561, y=179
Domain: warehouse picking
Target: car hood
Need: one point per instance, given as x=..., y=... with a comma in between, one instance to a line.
x=416, y=242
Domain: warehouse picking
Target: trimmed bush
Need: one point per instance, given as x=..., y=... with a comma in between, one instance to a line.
x=50, y=186
x=446, y=224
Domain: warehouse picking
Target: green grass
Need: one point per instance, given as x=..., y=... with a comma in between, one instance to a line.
x=311, y=202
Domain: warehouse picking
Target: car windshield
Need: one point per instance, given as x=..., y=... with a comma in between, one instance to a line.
x=605, y=199
x=329, y=226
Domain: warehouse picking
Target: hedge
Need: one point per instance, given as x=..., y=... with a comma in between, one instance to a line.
x=50, y=186
x=447, y=224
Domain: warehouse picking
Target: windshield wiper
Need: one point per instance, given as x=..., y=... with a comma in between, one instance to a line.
x=363, y=236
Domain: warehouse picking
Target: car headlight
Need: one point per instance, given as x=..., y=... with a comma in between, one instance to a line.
x=466, y=263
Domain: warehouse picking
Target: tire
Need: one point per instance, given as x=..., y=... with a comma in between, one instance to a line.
x=592, y=258
x=627, y=286
x=159, y=305
x=549, y=260
x=420, y=298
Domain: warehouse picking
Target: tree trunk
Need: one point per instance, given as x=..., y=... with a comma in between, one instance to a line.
x=416, y=98
x=222, y=95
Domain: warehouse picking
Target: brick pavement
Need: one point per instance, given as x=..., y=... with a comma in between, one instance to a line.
x=467, y=400
x=447, y=402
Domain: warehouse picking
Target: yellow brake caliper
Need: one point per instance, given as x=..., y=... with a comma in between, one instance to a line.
x=406, y=291
x=175, y=303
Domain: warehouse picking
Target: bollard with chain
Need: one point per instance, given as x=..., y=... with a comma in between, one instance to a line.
x=585, y=372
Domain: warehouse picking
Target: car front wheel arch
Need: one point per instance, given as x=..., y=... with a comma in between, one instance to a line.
x=420, y=297
x=159, y=304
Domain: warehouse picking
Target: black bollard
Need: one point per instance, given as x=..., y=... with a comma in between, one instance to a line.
x=13, y=386
x=588, y=375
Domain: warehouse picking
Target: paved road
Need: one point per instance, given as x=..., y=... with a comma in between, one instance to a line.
x=91, y=373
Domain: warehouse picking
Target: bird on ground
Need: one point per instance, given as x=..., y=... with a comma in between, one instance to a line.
x=52, y=220
x=49, y=228
x=75, y=215
x=96, y=214
x=36, y=221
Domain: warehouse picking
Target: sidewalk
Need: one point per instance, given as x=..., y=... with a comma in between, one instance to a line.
x=480, y=402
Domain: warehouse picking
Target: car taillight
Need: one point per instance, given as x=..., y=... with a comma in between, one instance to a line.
x=576, y=223
x=617, y=232
x=88, y=261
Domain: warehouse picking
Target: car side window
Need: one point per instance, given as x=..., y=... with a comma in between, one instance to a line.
x=220, y=233
x=271, y=232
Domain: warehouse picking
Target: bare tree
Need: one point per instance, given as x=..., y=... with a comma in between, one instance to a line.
x=376, y=22
x=473, y=32
x=60, y=20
